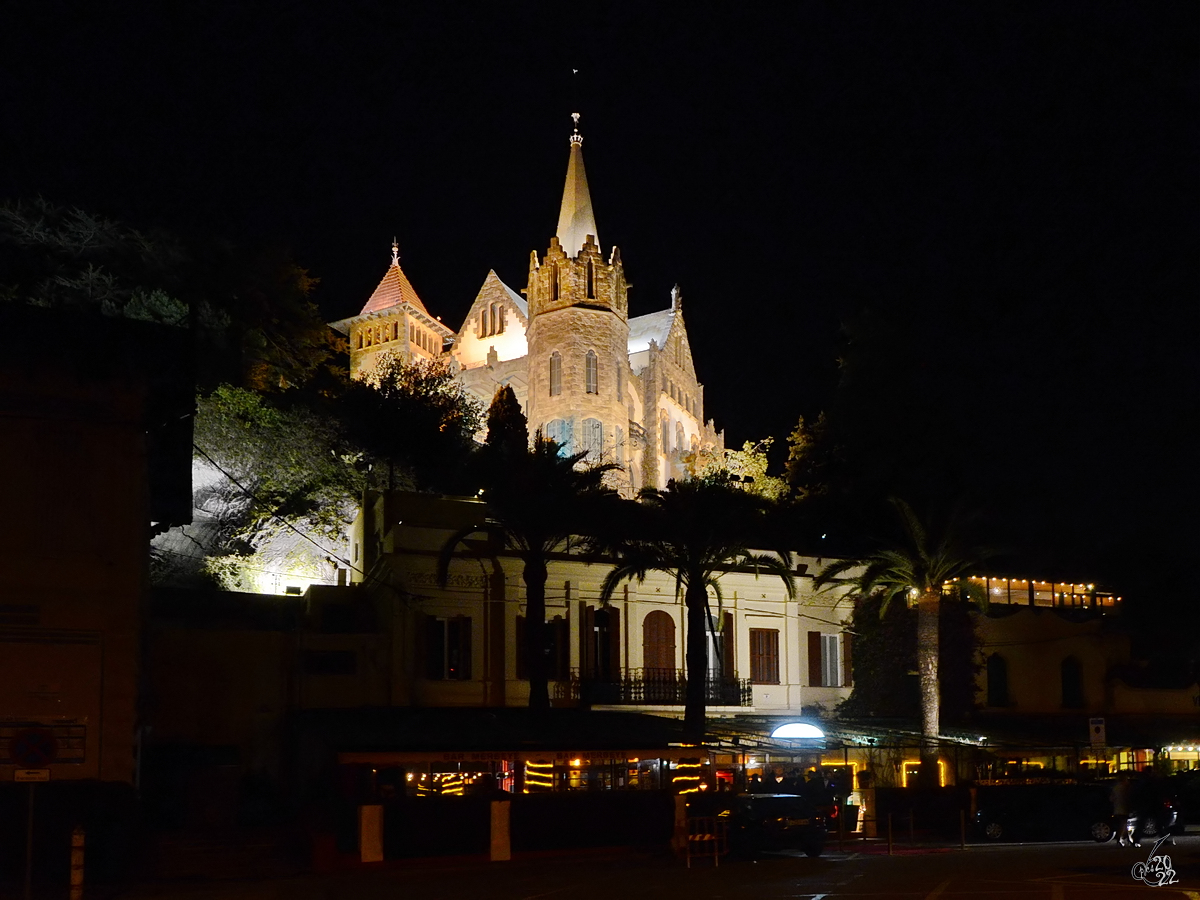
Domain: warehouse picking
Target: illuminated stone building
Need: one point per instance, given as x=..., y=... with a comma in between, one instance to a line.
x=587, y=374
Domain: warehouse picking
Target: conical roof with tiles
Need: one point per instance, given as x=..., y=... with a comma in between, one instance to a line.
x=394, y=289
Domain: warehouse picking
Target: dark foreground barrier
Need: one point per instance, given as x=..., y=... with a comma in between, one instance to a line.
x=922, y=813
x=107, y=811
x=444, y=826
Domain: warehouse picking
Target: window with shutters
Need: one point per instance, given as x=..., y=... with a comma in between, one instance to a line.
x=558, y=662
x=764, y=655
x=658, y=646
x=720, y=648
x=828, y=659
x=555, y=374
x=600, y=644
x=591, y=371
x=448, y=648
x=593, y=438
x=559, y=431
x=831, y=661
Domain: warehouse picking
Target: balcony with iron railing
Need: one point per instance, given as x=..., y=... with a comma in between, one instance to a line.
x=651, y=687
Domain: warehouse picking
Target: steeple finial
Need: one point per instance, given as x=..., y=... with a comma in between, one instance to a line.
x=395, y=252
x=575, y=218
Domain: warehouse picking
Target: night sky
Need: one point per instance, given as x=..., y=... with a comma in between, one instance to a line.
x=1014, y=185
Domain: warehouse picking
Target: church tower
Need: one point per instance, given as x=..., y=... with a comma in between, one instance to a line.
x=579, y=376
x=393, y=321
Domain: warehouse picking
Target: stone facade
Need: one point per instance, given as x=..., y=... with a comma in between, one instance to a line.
x=624, y=389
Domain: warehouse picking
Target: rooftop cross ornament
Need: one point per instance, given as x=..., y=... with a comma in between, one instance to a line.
x=576, y=138
x=395, y=253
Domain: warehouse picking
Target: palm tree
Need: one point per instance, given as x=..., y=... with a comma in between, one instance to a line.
x=919, y=569
x=697, y=530
x=537, y=499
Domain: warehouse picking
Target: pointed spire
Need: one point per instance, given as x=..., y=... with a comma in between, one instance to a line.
x=394, y=289
x=576, y=220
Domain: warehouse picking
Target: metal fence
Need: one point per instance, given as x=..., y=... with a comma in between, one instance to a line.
x=652, y=687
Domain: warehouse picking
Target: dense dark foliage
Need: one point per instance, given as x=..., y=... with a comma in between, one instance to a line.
x=885, y=661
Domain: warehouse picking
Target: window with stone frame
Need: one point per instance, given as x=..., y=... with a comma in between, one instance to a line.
x=680, y=443
x=555, y=374
x=620, y=445
x=593, y=438
x=448, y=648
x=559, y=431
x=764, y=655
x=829, y=659
x=666, y=436
x=591, y=370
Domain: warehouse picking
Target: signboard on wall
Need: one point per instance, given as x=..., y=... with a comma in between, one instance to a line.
x=1096, y=732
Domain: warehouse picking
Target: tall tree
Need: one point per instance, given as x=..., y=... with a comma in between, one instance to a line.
x=919, y=568
x=537, y=500
x=697, y=530
x=416, y=422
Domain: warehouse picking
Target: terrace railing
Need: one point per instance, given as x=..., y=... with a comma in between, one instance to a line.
x=651, y=687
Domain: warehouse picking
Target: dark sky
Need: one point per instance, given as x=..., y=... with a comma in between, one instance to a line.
x=1015, y=182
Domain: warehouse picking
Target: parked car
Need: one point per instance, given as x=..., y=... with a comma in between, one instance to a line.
x=1043, y=811
x=759, y=822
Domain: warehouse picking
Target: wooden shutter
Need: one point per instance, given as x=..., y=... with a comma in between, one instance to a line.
x=614, y=643
x=847, y=667
x=728, y=642
x=658, y=644
x=764, y=655
x=814, y=659
x=587, y=641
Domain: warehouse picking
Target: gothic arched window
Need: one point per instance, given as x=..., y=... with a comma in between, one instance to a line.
x=997, y=680
x=591, y=372
x=591, y=281
x=555, y=374
x=559, y=431
x=593, y=437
